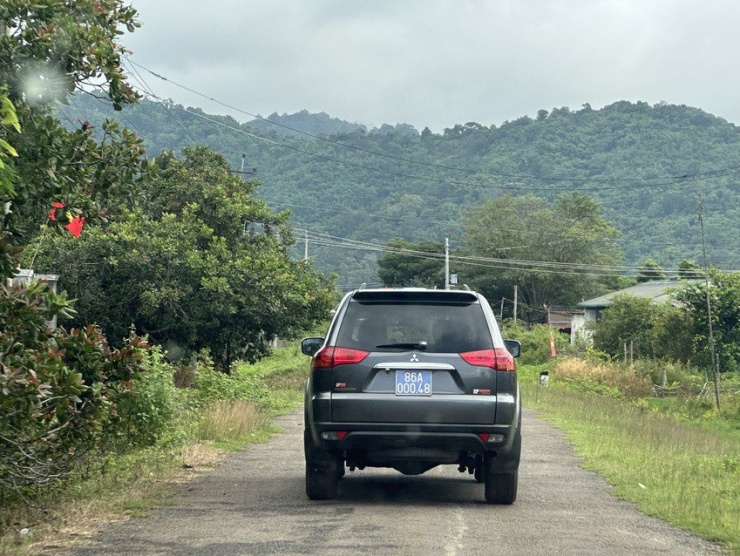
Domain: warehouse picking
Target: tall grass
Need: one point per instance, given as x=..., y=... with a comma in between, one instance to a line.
x=683, y=473
x=232, y=422
x=596, y=376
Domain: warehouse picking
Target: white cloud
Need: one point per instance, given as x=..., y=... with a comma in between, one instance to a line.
x=437, y=63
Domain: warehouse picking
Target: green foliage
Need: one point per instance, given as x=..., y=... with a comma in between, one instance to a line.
x=724, y=298
x=150, y=410
x=650, y=330
x=688, y=269
x=57, y=387
x=47, y=52
x=625, y=155
x=211, y=385
x=199, y=263
x=650, y=270
x=510, y=229
x=407, y=264
x=535, y=342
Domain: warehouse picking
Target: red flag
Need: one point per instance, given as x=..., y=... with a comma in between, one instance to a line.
x=52, y=212
x=75, y=226
x=552, y=346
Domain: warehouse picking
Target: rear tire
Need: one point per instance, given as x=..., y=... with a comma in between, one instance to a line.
x=322, y=471
x=501, y=487
x=321, y=485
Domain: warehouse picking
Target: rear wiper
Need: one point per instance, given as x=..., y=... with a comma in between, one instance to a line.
x=407, y=345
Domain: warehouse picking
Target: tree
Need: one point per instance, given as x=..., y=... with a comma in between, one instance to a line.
x=47, y=51
x=526, y=235
x=57, y=385
x=407, y=264
x=689, y=270
x=199, y=263
x=724, y=298
x=648, y=329
x=650, y=270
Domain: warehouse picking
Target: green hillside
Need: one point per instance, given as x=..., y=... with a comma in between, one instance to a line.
x=338, y=178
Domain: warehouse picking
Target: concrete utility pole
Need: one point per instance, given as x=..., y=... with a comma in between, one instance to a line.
x=305, y=251
x=447, y=263
x=516, y=297
x=715, y=364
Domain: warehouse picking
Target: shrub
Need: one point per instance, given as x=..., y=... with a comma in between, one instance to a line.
x=57, y=386
x=605, y=378
x=535, y=342
x=147, y=411
x=212, y=385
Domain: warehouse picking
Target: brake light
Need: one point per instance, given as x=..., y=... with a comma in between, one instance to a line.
x=491, y=438
x=330, y=357
x=498, y=359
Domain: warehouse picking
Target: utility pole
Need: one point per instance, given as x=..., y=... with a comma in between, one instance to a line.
x=715, y=369
x=305, y=251
x=447, y=263
x=516, y=297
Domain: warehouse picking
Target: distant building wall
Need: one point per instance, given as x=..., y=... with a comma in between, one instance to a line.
x=26, y=276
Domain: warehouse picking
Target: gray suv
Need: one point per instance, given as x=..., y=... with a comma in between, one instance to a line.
x=412, y=379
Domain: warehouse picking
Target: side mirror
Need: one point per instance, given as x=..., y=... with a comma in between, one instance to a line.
x=514, y=347
x=309, y=346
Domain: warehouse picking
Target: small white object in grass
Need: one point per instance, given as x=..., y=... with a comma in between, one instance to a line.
x=641, y=485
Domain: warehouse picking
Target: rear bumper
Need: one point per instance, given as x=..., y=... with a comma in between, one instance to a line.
x=384, y=437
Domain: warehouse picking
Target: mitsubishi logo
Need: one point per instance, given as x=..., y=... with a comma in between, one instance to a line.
x=414, y=358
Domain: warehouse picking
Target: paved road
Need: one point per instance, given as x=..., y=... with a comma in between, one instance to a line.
x=255, y=504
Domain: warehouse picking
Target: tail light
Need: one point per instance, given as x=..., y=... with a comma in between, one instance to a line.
x=330, y=357
x=498, y=359
x=491, y=438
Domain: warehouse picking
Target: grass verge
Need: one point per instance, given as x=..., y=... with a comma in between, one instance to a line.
x=135, y=483
x=686, y=474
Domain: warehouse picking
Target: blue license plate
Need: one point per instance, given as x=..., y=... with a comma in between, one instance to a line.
x=413, y=383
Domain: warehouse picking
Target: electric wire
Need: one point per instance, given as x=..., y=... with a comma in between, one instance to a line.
x=553, y=267
x=643, y=182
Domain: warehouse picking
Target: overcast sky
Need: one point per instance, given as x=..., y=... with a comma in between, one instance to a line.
x=437, y=63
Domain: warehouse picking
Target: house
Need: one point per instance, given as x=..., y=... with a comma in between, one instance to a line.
x=659, y=291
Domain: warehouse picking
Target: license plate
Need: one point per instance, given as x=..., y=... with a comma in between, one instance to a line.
x=413, y=383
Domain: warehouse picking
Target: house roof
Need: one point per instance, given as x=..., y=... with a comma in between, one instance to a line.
x=657, y=290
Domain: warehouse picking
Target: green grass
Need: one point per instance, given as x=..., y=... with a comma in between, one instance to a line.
x=685, y=473
x=283, y=376
x=135, y=483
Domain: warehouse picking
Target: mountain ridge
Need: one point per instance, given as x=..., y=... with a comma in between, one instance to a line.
x=645, y=163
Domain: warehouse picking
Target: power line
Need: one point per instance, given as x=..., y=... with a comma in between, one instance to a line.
x=634, y=182
x=552, y=267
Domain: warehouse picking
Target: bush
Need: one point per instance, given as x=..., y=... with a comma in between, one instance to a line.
x=535, y=342
x=57, y=386
x=606, y=378
x=147, y=411
x=211, y=385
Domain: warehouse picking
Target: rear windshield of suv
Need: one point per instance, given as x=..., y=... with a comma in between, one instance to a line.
x=428, y=326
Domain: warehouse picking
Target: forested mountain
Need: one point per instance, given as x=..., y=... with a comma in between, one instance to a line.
x=303, y=122
x=646, y=165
